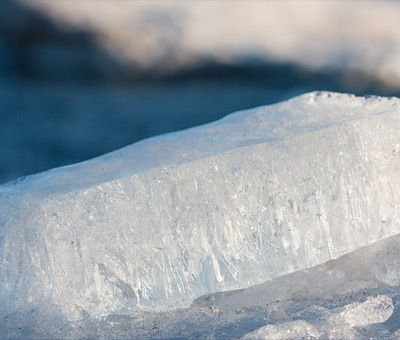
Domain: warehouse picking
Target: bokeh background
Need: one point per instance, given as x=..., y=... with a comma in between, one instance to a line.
x=80, y=78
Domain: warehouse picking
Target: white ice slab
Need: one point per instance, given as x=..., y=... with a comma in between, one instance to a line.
x=258, y=194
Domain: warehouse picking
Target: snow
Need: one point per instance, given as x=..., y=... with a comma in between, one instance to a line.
x=276, y=221
x=170, y=35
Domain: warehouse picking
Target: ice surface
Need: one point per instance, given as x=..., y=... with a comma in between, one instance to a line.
x=337, y=323
x=374, y=266
x=298, y=329
x=370, y=309
x=257, y=195
x=350, y=297
x=331, y=324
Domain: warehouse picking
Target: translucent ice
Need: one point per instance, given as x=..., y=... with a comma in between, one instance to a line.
x=258, y=194
x=374, y=310
x=298, y=329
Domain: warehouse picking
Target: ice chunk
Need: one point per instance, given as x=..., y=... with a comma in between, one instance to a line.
x=374, y=310
x=298, y=329
x=371, y=267
x=340, y=299
x=259, y=194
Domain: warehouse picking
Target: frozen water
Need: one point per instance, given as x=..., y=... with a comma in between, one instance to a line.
x=351, y=297
x=331, y=324
x=374, y=266
x=343, y=311
x=257, y=195
x=298, y=329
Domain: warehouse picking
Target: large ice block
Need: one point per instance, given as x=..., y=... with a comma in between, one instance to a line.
x=258, y=194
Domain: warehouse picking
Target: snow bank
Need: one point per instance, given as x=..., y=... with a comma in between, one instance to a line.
x=256, y=195
x=171, y=35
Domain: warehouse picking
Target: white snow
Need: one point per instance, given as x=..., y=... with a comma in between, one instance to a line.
x=169, y=35
x=122, y=244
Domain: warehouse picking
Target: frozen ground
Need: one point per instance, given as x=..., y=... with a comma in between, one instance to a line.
x=272, y=222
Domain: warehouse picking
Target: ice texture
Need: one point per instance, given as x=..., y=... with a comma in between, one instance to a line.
x=356, y=296
x=330, y=324
x=257, y=195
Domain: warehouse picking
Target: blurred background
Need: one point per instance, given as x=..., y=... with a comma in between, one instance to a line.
x=80, y=78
